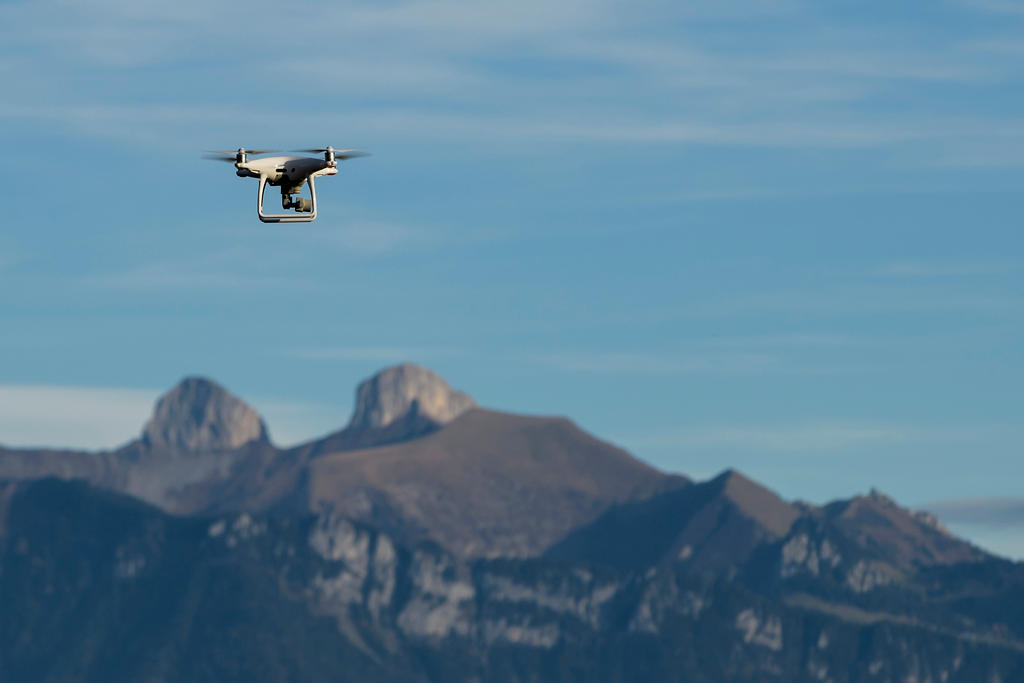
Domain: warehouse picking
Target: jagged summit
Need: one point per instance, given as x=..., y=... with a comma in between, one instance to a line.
x=200, y=415
x=404, y=391
x=756, y=502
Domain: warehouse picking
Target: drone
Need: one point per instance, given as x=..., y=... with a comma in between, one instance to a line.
x=289, y=173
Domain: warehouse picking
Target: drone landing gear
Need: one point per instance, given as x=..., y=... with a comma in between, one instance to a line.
x=301, y=205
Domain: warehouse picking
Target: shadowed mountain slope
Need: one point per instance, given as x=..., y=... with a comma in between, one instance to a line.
x=711, y=525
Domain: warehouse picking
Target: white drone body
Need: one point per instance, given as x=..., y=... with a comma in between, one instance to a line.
x=289, y=173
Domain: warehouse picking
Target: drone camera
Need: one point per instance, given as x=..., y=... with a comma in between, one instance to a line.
x=299, y=204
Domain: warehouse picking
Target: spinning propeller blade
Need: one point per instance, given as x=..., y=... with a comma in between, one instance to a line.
x=232, y=154
x=338, y=153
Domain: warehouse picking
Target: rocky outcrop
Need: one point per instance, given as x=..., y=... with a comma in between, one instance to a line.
x=199, y=415
x=404, y=391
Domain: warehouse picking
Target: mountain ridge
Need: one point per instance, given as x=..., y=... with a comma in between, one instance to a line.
x=442, y=541
x=261, y=598
x=424, y=461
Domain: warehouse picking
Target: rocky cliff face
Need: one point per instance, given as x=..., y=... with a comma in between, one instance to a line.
x=244, y=597
x=199, y=415
x=404, y=391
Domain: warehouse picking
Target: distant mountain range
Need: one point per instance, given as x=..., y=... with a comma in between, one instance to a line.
x=434, y=540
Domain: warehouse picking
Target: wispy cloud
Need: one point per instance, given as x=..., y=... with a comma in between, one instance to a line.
x=1012, y=7
x=913, y=269
x=97, y=418
x=72, y=417
x=233, y=268
x=385, y=354
x=401, y=57
x=858, y=299
x=379, y=237
x=648, y=363
x=814, y=437
x=187, y=276
x=994, y=523
x=996, y=512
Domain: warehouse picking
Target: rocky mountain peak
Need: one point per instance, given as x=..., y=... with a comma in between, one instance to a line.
x=403, y=391
x=200, y=415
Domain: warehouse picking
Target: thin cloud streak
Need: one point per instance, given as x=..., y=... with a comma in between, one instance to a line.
x=189, y=275
x=137, y=122
x=103, y=418
x=757, y=100
x=235, y=269
x=72, y=417
x=922, y=269
x=640, y=363
x=371, y=353
x=993, y=512
x=1010, y=7
x=375, y=238
x=817, y=437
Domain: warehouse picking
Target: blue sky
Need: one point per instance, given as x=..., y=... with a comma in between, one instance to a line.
x=778, y=236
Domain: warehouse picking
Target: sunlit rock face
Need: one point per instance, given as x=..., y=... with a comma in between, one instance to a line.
x=407, y=390
x=201, y=415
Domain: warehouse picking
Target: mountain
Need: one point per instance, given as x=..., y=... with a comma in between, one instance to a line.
x=434, y=540
x=417, y=458
x=198, y=416
x=100, y=587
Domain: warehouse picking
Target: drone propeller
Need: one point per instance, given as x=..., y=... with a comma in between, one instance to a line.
x=340, y=154
x=232, y=155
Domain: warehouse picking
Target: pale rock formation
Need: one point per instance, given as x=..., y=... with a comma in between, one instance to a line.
x=407, y=390
x=868, y=575
x=200, y=415
x=801, y=554
x=765, y=631
x=442, y=603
